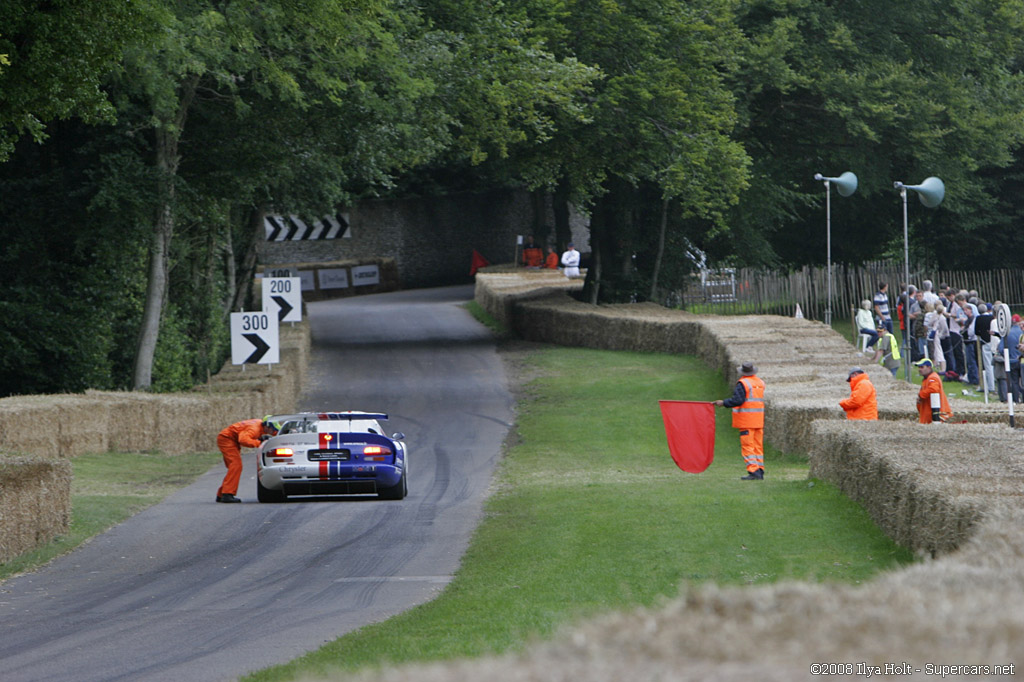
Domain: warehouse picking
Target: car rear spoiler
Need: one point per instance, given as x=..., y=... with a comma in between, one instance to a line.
x=327, y=416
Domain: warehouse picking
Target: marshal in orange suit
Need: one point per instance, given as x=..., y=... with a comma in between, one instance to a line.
x=243, y=434
x=747, y=403
x=863, y=400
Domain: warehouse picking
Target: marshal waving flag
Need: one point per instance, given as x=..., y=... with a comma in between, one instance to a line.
x=690, y=429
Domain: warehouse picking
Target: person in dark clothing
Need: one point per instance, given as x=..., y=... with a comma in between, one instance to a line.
x=983, y=332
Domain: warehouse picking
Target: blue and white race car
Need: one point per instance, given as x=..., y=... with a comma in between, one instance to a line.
x=331, y=453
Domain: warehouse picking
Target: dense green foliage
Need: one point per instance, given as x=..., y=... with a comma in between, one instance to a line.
x=142, y=142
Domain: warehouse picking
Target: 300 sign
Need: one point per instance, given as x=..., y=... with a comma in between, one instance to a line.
x=255, y=322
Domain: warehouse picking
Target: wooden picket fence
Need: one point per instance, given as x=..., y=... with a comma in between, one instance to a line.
x=747, y=291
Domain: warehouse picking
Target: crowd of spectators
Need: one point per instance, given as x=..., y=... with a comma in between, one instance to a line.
x=954, y=328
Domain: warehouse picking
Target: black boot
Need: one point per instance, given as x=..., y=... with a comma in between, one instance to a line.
x=754, y=476
x=227, y=497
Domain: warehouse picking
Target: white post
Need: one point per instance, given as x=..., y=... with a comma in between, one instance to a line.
x=1009, y=385
x=906, y=274
x=828, y=253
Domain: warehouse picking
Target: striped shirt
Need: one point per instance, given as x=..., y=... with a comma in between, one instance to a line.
x=881, y=302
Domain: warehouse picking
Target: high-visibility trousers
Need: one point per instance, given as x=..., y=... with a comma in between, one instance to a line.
x=752, y=447
x=233, y=461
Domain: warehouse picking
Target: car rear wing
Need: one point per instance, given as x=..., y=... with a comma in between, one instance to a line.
x=351, y=416
x=327, y=416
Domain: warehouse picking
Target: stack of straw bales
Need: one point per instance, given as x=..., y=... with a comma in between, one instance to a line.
x=44, y=431
x=954, y=492
x=35, y=502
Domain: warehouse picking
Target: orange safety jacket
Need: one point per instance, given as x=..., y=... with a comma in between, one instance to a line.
x=750, y=415
x=929, y=385
x=551, y=261
x=246, y=433
x=863, y=402
x=533, y=257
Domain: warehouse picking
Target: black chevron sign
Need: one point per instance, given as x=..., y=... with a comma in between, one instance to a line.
x=281, y=228
x=285, y=307
x=261, y=348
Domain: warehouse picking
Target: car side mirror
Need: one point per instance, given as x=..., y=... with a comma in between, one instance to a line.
x=398, y=435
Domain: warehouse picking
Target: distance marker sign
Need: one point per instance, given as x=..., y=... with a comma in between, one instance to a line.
x=1003, y=319
x=283, y=296
x=254, y=339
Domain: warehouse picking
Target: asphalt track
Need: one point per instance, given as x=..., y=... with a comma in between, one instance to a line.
x=194, y=590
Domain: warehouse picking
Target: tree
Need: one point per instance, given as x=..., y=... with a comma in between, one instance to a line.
x=658, y=127
x=238, y=53
x=891, y=95
x=55, y=56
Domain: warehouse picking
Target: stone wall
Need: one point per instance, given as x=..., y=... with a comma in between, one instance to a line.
x=430, y=239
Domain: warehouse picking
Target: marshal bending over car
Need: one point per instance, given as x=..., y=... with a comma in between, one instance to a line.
x=331, y=453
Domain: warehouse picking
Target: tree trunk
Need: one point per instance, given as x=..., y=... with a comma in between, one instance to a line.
x=230, y=270
x=598, y=223
x=159, y=248
x=168, y=133
x=560, y=206
x=661, y=250
x=247, y=269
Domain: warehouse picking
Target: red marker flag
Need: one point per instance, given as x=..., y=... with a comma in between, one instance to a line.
x=690, y=429
x=476, y=262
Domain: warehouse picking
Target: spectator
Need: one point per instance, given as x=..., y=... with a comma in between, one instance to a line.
x=938, y=332
x=887, y=352
x=863, y=402
x=571, y=261
x=982, y=330
x=865, y=324
x=1011, y=344
x=971, y=345
x=919, y=329
x=901, y=309
x=957, y=321
x=929, y=295
x=881, y=302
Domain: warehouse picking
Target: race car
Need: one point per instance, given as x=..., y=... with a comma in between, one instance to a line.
x=331, y=453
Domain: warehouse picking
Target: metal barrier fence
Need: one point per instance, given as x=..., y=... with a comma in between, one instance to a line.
x=775, y=293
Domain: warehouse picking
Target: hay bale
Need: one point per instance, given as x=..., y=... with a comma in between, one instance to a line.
x=35, y=502
x=20, y=419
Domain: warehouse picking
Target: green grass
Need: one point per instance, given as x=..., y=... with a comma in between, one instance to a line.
x=590, y=514
x=485, y=318
x=108, y=488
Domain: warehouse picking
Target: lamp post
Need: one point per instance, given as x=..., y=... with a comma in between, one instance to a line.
x=931, y=192
x=846, y=184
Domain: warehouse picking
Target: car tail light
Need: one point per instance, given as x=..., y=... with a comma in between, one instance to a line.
x=281, y=452
x=376, y=453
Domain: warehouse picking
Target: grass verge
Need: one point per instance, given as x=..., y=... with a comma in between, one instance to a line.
x=108, y=488
x=590, y=514
x=485, y=318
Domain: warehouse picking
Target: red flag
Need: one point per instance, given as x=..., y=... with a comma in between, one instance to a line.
x=477, y=262
x=690, y=429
